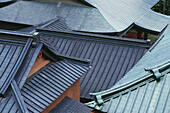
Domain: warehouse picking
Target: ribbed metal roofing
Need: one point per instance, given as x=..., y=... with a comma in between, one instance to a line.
x=152, y=96
x=111, y=57
x=9, y=105
x=147, y=94
x=12, y=54
x=121, y=14
x=17, y=58
x=140, y=91
x=160, y=49
x=49, y=83
x=56, y=24
x=68, y=105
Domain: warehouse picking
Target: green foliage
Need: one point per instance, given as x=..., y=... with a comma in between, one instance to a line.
x=162, y=7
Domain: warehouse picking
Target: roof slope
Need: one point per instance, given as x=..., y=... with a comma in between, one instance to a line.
x=20, y=55
x=141, y=90
x=159, y=49
x=12, y=57
x=119, y=56
x=12, y=104
x=49, y=83
x=31, y=13
x=34, y=13
x=68, y=105
x=56, y=24
x=150, y=95
x=105, y=19
x=4, y=1
x=11, y=54
x=121, y=14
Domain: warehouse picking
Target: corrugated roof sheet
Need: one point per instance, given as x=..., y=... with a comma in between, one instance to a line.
x=121, y=14
x=68, y=105
x=140, y=91
x=111, y=57
x=49, y=83
x=153, y=21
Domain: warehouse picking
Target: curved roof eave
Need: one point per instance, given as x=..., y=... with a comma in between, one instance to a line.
x=156, y=55
x=124, y=13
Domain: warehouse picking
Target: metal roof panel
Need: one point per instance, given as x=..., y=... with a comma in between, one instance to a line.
x=110, y=59
x=49, y=83
x=68, y=105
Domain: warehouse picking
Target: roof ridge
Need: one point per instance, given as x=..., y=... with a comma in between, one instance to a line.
x=44, y=24
x=18, y=97
x=16, y=67
x=99, y=36
x=155, y=73
x=16, y=33
x=47, y=51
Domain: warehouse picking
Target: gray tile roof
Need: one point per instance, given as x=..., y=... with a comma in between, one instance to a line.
x=103, y=19
x=111, y=57
x=49, y=83
x=34, y=13
x=141, y=90
x=68, y=105
x=121, y=14
x=31, y=13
